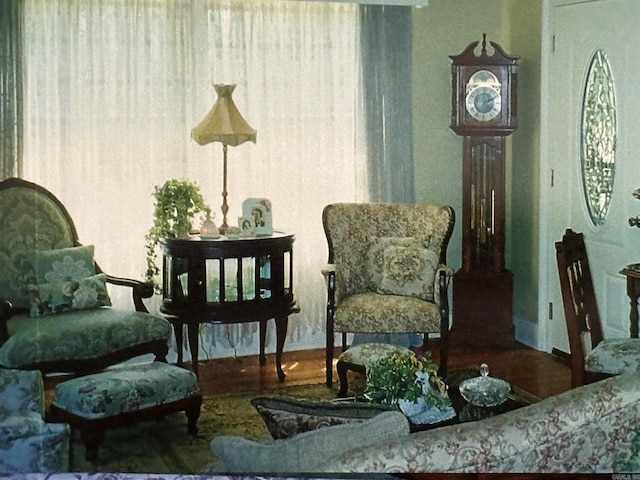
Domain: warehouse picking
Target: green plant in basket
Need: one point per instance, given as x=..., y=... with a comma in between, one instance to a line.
x=403, y=376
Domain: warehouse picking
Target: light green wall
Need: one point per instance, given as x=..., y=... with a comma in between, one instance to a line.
x=446, y=27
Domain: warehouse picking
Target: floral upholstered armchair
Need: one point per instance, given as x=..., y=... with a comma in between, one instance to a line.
x=27, y=443
x=387, y=271
x=55, y=310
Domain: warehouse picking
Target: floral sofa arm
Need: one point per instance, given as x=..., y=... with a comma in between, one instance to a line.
x=27, y=443
x=591, y=429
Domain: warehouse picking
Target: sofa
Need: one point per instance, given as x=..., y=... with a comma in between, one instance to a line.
x=27, y=443
x=590, y=429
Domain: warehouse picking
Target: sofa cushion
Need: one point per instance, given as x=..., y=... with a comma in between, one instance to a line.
x=78, y=335
x=285, y=417
x=81, y=294
x=307, y=451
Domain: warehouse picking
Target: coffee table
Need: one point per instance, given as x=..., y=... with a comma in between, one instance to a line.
x=465, y=412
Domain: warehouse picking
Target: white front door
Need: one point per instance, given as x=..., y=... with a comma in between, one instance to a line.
x=579, y=30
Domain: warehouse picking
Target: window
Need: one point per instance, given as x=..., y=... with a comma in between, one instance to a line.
x=113, y=88
x=598, y=138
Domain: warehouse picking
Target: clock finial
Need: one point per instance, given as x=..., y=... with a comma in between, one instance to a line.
x=484, y=44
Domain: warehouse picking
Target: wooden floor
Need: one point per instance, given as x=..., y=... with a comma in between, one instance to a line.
x=538, y=373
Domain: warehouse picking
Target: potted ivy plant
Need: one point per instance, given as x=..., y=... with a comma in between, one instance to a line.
x=411, y=383
x=175, y=205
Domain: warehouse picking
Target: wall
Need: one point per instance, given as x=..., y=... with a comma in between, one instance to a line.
x=444, y=28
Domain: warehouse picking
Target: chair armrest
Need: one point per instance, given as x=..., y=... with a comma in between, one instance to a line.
x=140, y=290
x=21, y=390
x=328, y=269
x=439, y=288
x=329, y=273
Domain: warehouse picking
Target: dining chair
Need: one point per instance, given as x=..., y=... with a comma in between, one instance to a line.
x=593, y=357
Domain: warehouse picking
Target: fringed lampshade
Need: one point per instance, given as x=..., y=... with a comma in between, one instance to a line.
x=224, y=124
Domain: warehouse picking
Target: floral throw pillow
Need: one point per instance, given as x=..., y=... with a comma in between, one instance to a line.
x=56, y=266
x=403, y=266
x=52, y=298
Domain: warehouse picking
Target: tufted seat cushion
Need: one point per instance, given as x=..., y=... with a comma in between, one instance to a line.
x=78, y=335
x=373, y=312
x=614, y=356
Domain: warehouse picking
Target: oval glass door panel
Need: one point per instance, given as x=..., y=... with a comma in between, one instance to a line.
x=598, y=138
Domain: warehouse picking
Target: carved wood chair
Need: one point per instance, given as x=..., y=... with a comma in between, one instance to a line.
x=593, y=358
x=387, y=271
x=55, y=313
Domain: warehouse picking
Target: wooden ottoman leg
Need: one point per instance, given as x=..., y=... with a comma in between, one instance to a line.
x=342, y=368
x=193, y=413
x=92, y=438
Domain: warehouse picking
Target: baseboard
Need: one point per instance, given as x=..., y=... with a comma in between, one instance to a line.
x=527, y=333
x=564, y=356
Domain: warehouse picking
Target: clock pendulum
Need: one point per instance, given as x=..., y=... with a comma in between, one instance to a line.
x=484, y=114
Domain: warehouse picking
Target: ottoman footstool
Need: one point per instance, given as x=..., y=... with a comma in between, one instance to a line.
x=123, y=396
x=359, y=357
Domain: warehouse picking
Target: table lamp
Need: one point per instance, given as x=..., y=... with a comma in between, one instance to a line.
x=223, y=124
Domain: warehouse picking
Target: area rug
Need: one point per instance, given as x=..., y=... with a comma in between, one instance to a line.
x=165, y=447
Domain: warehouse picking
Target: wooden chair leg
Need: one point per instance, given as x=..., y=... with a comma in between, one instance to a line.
x=329, y=359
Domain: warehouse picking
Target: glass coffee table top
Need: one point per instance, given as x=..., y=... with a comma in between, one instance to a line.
x=466, y=412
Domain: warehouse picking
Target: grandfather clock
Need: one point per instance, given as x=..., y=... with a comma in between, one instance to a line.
x=484, y=114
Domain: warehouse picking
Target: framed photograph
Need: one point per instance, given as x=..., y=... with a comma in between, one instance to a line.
x=260, y=210
x=247, y=226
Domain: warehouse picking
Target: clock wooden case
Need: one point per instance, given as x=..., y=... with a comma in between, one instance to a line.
x=484, y=91
x=483, y=112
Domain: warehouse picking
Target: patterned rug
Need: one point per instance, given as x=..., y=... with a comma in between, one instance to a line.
x=165, y=447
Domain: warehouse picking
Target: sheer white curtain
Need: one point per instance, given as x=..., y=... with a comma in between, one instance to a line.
x=112, y=90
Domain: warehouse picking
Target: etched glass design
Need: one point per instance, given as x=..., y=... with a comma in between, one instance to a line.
x=598, y=137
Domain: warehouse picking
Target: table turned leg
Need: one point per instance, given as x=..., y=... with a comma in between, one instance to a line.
x=192, y=336
x=263, y=337
x=282, y=323
x=633, y=292
x=177, y=333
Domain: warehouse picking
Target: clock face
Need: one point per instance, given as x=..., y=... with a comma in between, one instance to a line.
x=483, y=103
x=483, y=100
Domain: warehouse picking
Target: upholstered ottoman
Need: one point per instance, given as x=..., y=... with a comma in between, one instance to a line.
x=119, y=397
x=359, y=357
